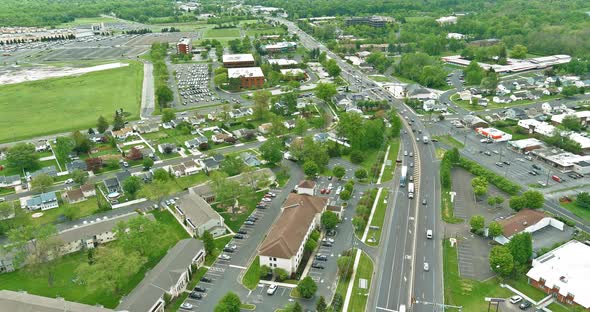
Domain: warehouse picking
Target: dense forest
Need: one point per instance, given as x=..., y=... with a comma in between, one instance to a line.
x=545, y=27
x=52, y=12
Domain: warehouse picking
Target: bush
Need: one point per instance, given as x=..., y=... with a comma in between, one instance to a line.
x=500, y=182
x=337, y=302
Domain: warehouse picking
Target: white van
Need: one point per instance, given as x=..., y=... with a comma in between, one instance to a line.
x=429, y=234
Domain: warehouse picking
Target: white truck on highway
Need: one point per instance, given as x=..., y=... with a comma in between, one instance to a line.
x=425, y=139
x=411, y=190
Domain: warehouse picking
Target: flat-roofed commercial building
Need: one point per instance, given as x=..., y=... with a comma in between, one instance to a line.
x=184, y=46
x=238, y=60
x=250, y=77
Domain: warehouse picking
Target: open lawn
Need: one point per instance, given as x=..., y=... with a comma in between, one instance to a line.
x=64, y=284
x=465, y=292
x=235, y=221
x=267, y=31
x=252, y=276
x=68, y=103
x=358, y=300
x=222, y=32
x=449, y=141
x=380, y=78
x=378, y=218
x=559, y=307
x=389, y=170
x=578, y=211
x=88, y=21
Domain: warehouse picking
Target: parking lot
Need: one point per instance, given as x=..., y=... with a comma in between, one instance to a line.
x=193, y=84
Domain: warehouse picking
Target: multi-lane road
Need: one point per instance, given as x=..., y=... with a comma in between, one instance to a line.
x=400, y=259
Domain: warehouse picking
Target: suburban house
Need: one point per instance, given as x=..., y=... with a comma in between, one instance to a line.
x=22, y=301
x=244, y=133
x=42, y=145
x=146, y=127
x=198, y=215
x=289, y=124
x=265, y=128
x=76, y=165
x=74, y=196
x=49, y=170
x=200, y=142
x=564, y=273
x=526, y=220
x=44, y=201
x=284, y=244
x=210, y=164
x=169, y=277
x=166, y=148
x=516, y=113
x=112, y=185
x=306, y=187
x=250, y=159
x=188, y=167
x=10, y=181
x=88, y=190
x=123, y=133
x=220, y=137
x=90, y=232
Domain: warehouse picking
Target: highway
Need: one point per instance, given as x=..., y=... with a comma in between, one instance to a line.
x=404, y=249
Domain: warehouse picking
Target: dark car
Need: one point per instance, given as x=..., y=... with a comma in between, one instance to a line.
x=331, y=233
x=317, y=265
x=205, y=279
x=327, y=244
x=536, y=167
x=424, y=202
x=507, y=163
x=227, y=249
x=533, y=173
x=487, y=153
x=525, y=305
x=321, y=258
x=195, y=295
x=200, y=289
x=239, y=236
x=242, y=232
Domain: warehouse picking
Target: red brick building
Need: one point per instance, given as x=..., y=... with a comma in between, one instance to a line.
x=184, y=46
x=250, y=77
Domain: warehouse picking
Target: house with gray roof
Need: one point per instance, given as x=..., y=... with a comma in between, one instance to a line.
x=198, y=215
x=49, y=170
x=10, y=181
x=112, y=185
x=170, y=276
x=76, y=165
x=44, y=201
x=23, y=302
x=250, y=159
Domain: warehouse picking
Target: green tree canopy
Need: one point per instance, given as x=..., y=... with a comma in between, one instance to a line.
x=501, y=260
x=329, y=220
x=22, y=156
x=307, y=287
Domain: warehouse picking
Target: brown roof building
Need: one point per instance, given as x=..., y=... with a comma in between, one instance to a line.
x=306, y=187
x=283, y=246
x=526, y=220
x=74, y=196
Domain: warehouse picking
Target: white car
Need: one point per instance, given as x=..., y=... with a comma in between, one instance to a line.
x=266, y=199
x=426, y=266
x=224, y=257
x=271, y=289
x=186, y=306
x=515, y=299
x=429, y=234
x=69, y=181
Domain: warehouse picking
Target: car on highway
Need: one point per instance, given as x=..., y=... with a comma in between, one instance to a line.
x=487, y=153
x=525, y=305
x=426, y=266
x=533, y=173
x=499, y=164
x=411, y=154
x=272, y=289
x=186, y=306
x=224, y=257
x=424, y=202
x=429, y=234
x=515, y=299
x=405, y=153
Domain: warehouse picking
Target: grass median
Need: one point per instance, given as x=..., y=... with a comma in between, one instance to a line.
x=252, y=275
x=358, y=299
x=378, y=218
x=392, y=157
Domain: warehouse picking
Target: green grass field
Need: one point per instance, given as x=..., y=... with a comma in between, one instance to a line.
x=88, y=21
x=252, y=276
x=222, y=32
x=378, y=218
x=449, y=140
x=358, y=300
x=65, y=104
x=580, y=212
x=389, y=170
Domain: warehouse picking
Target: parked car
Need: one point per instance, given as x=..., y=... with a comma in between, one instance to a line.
x=499, y=164
x=515, y=299
x=525, y=305
x=224, y=257
x=487, y=153
x=227, y=249
x=321, y=257
x=186, y=306
x=264, y=199
x=242, y=232
x=239, y=236
x=323, y=191
x=205, y=279
x=271, y=289
x=317, y=265
x=331, y=233
x=536, y=167
x=249, y=223
x=195, y=295
x=200, y=289
x=328, y=191
x=533, y=173
x=69, y=181
x=507, y=163
x=327, y=244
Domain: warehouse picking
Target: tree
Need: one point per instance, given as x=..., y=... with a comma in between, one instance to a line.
x=156, y=191
x=307, y=287
x=79, y=176
x=521, y=247
x=168, y=115
x=232, y=165
x=265, y=271
x=583, y=200
x=310, y=168
x=301, y=126
x=229, y=303
x=281, y=274
x=480, y=186
x=164, y=96
x=569, y=91
x=63, y=147
x=477, y=223
x=572, y=122
x=6, y=210
x=226, y=191
x=261, y=102
x=361, y=173
x=161, y=175
x=147, y=163
x=41, y=183
x=132, y=185
x=339, y=172
x=517, y=203
x=325, y=91
x=102, y=124
x=271, y=150
x=329, y=220
x=345, y=267
x=22, y=156
x=495, y=229
x=474, y=73
x=332, y=68
x=94, y=164
x=533, y=199
x=490, y=82
x=345, y=195
x=501, y=260
x=82, y=142
x=220, y=79
x=111, y=270
x=310, y=246
x=321, y=306
x=209, y=242
x=138, y=235
x=33, y=245
x=118, y=122
x=518, y=52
